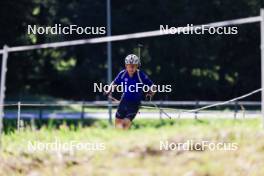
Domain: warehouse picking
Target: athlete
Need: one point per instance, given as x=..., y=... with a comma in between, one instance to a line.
x=132, y=80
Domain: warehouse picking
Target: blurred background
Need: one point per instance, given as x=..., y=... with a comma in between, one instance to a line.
x=199, y=67
x=49, y=92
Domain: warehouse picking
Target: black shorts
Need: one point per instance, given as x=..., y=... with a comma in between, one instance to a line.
x=127, y=109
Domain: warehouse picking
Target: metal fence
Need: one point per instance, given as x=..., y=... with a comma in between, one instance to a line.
x=173, y=106
x=41, y=110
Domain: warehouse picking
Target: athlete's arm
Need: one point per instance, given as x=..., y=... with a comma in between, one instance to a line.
x=149, y=82
x=117, y=81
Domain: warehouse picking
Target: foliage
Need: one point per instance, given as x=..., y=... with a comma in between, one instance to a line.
x=198, y=67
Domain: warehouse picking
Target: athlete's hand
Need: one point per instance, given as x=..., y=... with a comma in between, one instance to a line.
x=149, y=97
x=110, y=90
x=106, y=93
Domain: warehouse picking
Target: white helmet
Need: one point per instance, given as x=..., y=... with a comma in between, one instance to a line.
x=132, y=59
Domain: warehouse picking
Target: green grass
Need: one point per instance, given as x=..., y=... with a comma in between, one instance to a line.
x=137, y=151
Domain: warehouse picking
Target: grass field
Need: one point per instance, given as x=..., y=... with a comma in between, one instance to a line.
x=137, y=151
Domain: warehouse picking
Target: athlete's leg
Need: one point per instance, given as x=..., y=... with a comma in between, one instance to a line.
x=127, y=123
x=132, y=112
x=120, y=114
x=119, y=123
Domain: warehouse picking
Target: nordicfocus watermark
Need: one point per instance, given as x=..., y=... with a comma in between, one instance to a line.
x=193, y=145
x=123, y=87
x=58, y=146
x=58, y=29
x=199, y=30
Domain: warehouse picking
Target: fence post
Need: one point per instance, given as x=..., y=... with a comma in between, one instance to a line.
x=40, y=112
x=3, y=88
x=160, y=112
x=196, y=106
x=235, y=109
x=83, y=110
x=262, y=63
x=32, y=123
x=18, y=115
x=109, y=56
x=243, y=110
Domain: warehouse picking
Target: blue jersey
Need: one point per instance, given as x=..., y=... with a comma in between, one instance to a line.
x=139, y=78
